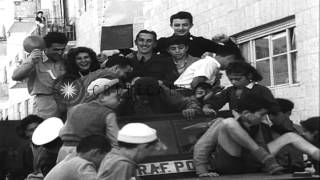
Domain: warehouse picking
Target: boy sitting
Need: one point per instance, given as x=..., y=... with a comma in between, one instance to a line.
x=236, y=149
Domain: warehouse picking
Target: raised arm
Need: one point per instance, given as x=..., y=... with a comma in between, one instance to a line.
x=220, y=43
x=28, y=66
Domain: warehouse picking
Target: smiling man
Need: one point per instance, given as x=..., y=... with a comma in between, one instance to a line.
x=181, y=23
x=147, y=64
x=42, y=68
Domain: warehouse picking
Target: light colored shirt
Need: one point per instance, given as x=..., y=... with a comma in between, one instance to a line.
x=116, y=166
x=40, y=76
x=187, y=62
x=207, y=67
x=76, y=168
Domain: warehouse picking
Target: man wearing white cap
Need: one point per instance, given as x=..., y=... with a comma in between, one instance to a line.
x=93, y=118
x=46, y=135
x=136, y=141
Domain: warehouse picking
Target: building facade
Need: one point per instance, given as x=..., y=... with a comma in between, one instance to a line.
x=279, y=37
x=15, y=101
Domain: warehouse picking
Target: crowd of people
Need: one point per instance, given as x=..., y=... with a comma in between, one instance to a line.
x=180, y=73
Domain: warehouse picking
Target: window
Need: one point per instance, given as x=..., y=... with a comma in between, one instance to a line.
x=272, y=50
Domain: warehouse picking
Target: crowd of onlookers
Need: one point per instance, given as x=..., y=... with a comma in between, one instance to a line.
x=74, y=133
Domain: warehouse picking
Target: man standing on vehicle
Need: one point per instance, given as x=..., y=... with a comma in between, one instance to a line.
x=42, y=68
x=181, y=23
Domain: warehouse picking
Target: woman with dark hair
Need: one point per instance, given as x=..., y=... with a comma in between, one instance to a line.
x=82, y=67
x=81, y=61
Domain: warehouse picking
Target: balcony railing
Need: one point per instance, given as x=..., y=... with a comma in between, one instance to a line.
x=52, y=25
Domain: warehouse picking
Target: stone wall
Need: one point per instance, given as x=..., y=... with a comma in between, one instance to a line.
x=233, y=16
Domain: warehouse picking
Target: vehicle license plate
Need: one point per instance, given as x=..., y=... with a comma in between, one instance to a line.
x=166, y=167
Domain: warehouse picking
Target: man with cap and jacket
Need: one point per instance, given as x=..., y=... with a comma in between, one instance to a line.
x=46, y=137
x=136, y=142
x=95, y=117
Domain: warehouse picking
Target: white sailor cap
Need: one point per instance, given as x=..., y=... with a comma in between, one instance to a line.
x=47, y=131
x=137, y=133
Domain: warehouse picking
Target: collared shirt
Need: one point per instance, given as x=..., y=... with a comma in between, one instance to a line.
x=207, y=67
x=158, y=67
x=116, y=165
x=187, y=62
x=250, y=85
x=199, y=45
x=73, y=169
x=229, y=95
x=42, y=75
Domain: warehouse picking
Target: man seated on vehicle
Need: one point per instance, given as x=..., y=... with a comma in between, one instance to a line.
x=288, y=157
x=235, y=144
x=136, y=142
x=149, y=97
x=41, y=68
x=90, y=152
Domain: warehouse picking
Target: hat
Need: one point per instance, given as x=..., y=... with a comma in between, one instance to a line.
x=47, y=131
x=137, y=133
x=99, y=85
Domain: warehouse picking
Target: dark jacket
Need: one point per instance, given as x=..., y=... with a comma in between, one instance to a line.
x=198, y=46
x=228, y=95
x=167, y=101
x=158, y=67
